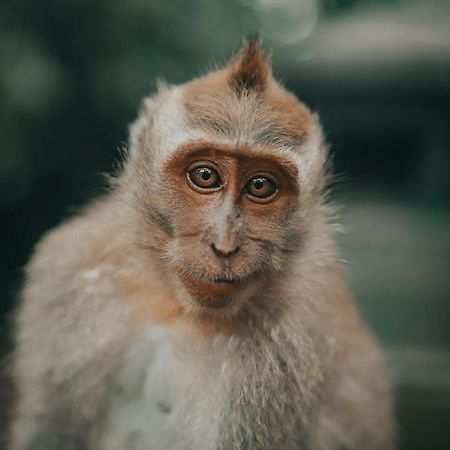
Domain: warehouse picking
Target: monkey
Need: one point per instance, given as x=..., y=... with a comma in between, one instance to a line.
x=199, y=304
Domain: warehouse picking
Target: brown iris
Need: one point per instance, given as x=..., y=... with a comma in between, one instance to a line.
x=261, y=187
x=204, y=177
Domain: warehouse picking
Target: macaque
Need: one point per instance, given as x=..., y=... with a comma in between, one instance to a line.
x=199, y=304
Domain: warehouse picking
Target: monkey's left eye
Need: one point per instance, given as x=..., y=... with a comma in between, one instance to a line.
x=261, y=187
x=204, y=177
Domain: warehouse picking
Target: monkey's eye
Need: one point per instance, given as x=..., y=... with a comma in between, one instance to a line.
x=261, y=187
x=204, y=177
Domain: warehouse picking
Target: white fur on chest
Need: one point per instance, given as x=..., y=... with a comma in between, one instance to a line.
x=210, y=394
x=140, y=408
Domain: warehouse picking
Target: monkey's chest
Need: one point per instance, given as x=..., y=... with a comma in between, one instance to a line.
x=199, y=399
x=139, y=407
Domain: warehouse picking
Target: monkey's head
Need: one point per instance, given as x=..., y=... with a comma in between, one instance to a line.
x=225, y=175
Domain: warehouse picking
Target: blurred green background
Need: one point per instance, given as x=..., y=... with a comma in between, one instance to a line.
x=378, y=73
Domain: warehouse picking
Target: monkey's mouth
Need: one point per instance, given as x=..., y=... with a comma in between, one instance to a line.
x=203, y=277
x=224, y=279
x=204, y=285
x=217, y=291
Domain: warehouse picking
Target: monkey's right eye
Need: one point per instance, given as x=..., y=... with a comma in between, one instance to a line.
x=204, y=178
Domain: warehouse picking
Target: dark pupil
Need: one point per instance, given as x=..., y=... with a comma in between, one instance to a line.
x=205, y=174
x=258, y=183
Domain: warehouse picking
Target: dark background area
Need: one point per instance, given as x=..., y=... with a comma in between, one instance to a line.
x=378, y=73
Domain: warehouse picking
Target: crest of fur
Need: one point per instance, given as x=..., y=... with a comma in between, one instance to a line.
x=251, y=68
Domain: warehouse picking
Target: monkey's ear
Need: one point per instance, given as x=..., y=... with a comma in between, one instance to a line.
x=251, y=69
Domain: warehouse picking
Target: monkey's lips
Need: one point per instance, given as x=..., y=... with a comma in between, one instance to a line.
x=203, y=277
x=212, y=281
x=218, y=280
x=214, y=291
x=224, y=279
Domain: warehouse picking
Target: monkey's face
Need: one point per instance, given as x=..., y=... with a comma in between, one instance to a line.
x=231, y=227
x=227, y=170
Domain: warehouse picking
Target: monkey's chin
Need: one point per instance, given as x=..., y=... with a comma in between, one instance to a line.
x=210, y=291
x=214, y=303
x=214, y=295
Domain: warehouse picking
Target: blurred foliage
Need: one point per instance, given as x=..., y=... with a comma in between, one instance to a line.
x=378, y=72
x=73, y=74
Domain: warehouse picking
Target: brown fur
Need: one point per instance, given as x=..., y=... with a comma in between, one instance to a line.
x=251, y=69
x=149, y=301
x=220, y=102
x=134, y=332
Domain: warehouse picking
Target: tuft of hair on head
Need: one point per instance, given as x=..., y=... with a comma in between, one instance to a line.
x=251, y=69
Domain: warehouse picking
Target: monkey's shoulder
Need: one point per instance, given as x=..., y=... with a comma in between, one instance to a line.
x=78, y=239
x=69, y=296
x=72, y=254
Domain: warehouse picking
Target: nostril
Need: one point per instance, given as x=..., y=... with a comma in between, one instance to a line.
x=224, y=252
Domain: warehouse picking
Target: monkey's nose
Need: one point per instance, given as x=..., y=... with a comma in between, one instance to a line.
x=225, y=251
